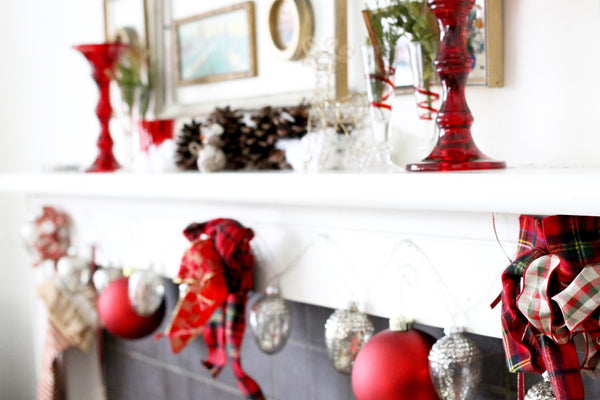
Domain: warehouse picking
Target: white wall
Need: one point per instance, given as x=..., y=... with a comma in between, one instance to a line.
x=545, y=115
x=47, y=117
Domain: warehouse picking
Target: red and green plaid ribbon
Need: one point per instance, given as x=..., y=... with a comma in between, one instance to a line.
x=224, y=332
x=558, y=263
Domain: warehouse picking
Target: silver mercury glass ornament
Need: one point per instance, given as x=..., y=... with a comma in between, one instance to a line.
x=455, y=367
x=271, y=321
x=105, y=275
x=73, y=272
x=146, y=291
x=346, y=331
x=541, y=391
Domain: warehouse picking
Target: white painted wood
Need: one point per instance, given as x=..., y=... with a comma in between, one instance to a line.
x=344, y=236
x=533, y=191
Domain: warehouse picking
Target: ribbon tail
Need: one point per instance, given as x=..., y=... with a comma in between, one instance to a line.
x=563, y=365
x=235, y=324
x=214, y=336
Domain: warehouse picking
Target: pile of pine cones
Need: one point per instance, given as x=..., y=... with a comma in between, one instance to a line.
x=246, y=146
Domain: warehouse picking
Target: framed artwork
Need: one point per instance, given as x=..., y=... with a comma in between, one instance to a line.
x=126, y=21
x=215, y=46
x=484, y=43
x=274, y=79
x=291, y=27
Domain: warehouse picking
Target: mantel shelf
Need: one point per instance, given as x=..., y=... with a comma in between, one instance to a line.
x=530, y=191
x=138, y=219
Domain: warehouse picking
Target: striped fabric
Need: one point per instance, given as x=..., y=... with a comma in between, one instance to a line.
x=50, y=383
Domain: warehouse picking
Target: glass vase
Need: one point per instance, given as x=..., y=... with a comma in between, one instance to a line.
x=427, y=89
x=426, y=81
x=380, y=74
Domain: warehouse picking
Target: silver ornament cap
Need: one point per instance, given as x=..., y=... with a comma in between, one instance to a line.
x=146, y=291
x=73, y=272
x=105, y=275
x=541, y=391
x=455, y=367
x=271, y=321
x=346, y=331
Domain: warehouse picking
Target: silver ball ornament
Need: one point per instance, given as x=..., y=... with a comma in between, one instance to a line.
x=541, y=391
x=346, y=331
x=146, y=291
x=73, y=272
x=105, y=275
x=271, y=321
x=455, y=367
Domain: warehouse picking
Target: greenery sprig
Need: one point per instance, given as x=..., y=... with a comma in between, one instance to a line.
x=413, y=20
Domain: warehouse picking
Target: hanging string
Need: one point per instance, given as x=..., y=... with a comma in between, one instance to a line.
x=498, y=298
x=498, y=239
x=295, y=260
x=406, y=268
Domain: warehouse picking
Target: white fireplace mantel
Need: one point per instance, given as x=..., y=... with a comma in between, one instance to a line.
x=419, y=244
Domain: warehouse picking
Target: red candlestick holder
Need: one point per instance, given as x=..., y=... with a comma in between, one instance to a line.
x=455, y=149
x=102, y=58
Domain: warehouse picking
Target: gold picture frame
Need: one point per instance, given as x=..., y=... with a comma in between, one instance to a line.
x=486, y=44
x=127, y=21
x=217, y=45
x=291, y=27
x=271, y=85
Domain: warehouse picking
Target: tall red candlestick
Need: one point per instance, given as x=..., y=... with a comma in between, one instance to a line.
x=455, y=149
x=102, y=58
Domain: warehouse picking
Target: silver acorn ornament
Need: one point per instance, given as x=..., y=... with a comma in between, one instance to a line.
x=455, y=367
x=271, y=321
x=346, y=331
x=146, y=291
x=541, y=391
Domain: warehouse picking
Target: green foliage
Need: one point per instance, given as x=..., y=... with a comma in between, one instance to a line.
x=131, y=77
x=413, y=20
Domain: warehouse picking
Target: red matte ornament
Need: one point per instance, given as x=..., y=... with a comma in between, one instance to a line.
x=393, y=365
x=119, y=317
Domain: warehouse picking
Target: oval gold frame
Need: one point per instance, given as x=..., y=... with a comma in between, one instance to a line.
x=303, y=29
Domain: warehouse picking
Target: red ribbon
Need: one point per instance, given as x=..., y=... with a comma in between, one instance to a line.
x=424, y=105
x=388, y=94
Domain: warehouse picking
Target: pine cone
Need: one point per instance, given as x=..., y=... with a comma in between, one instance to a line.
x=292, y=121
x=185, y=157
x=231, y=121
x=258, y=144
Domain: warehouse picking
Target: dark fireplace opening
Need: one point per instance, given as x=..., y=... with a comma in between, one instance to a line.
x=146, y=369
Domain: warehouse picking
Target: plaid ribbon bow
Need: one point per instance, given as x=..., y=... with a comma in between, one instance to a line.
x=219, y=271
x=558, y=262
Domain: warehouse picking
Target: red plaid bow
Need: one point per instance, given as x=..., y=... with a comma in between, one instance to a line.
x=558, y=261
x=226, y=253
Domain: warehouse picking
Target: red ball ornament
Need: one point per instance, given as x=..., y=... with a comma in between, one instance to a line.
x=119, y=317
x=393, y=365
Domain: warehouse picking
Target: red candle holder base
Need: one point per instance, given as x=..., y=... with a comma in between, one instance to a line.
x=104, y=164
x=441, y=166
